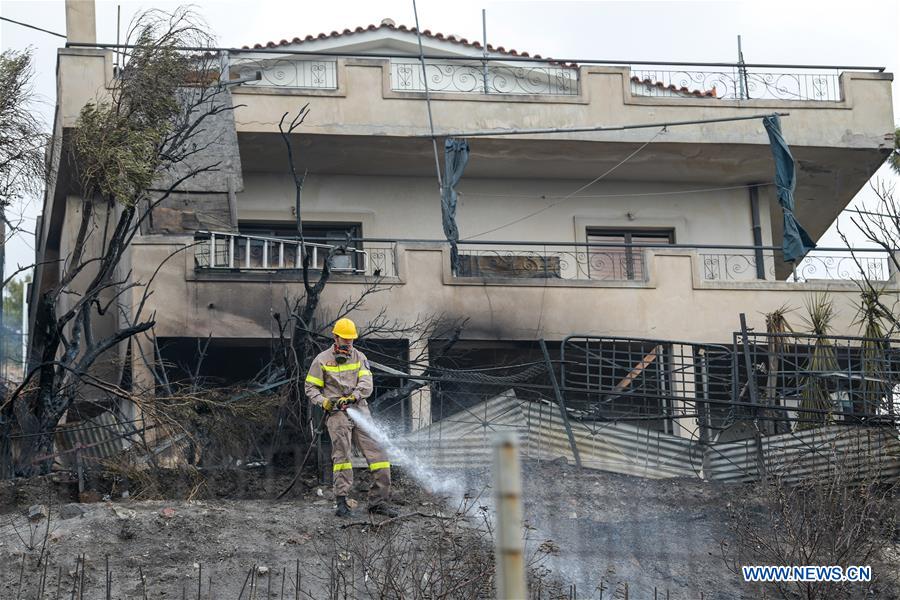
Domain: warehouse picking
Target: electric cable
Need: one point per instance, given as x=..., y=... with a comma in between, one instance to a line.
x=568, y=196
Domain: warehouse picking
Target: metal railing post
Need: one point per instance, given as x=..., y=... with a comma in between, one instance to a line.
x=510, y=555
x=231, y=252
x=247, y=253
x=212, y=250
x=265, y=257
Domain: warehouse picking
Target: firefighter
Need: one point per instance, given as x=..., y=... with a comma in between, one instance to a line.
x=339, y=378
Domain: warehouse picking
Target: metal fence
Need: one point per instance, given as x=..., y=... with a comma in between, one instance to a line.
x=12, y=367
x=740, y=83
x=649, y=382
x=805, y=380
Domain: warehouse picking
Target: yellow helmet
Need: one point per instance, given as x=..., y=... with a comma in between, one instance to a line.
x=345, y=328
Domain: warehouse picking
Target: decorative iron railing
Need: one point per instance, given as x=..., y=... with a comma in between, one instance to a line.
x=237, y=252
x=286, y=73
x=742, y=266
x=738, y=83
x=480, y=79
x=553, y=262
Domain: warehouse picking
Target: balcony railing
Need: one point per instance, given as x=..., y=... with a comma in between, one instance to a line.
x=479, y=79
x=232, y=251
x=575, y=262
x=519, y=260
x=738, y=83
x=742, y=266
x=286, y=73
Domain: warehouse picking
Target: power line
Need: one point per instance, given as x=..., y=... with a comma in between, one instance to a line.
x=602, y=128
x=623, y=195
x=32, y=27
x=502, y=58
x=437, y=162
x=566, y=197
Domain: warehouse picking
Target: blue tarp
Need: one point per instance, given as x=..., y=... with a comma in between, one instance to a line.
x=796, y=242
x=456, y=156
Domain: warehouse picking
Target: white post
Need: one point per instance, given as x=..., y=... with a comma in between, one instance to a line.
x=24, y=328
x=212, y=250
x=419, y=400
x=231, y=252
x=509, y=550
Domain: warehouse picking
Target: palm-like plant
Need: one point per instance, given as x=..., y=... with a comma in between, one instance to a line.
x=871, y=318
x=816, y=394
x=776, y=324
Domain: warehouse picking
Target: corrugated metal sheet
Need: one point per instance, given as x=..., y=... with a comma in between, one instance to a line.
x=798, y=455
x=95, y=438
x=614, y=447
x=464, y=439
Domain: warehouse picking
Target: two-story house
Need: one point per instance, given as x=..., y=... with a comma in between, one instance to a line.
x=663, y=233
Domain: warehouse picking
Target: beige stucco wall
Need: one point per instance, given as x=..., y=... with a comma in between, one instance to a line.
x=409, y=207
x=673, y=304
x=364, y=104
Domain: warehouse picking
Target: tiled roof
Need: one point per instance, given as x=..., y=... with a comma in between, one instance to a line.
x=672, y=88
x=390, y=25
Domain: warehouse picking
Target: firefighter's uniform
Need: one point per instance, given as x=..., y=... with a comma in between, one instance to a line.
x=329, y=379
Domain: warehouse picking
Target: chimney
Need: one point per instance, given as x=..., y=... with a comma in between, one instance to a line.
x=81, y=21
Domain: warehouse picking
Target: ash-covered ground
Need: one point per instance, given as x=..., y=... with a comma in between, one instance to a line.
x=589, y=534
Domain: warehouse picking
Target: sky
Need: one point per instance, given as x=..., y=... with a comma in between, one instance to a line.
x=861, y=32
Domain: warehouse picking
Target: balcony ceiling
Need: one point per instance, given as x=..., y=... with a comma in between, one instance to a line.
x=828, y=177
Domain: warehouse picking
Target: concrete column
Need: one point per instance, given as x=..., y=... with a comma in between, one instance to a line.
x=81, y=21
x=420, y=400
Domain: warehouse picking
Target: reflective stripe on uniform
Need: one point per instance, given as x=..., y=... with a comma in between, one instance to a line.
x=379, y=465
x=341, y=368
x=364, y=372
x=315, y=381
x=342, y=467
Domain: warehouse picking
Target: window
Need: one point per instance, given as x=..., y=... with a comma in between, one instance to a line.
x=622, y=263
x=314, y=234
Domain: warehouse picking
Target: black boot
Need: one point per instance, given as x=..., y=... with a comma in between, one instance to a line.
x=343, y=510
x=384, y=509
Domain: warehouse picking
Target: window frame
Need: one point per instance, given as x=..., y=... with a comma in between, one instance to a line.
x=627, y=234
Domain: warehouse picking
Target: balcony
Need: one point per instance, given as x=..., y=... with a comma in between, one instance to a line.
x=518, y=263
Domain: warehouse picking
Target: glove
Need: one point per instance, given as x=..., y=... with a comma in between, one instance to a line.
x=327, y=405
x=345, y=401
